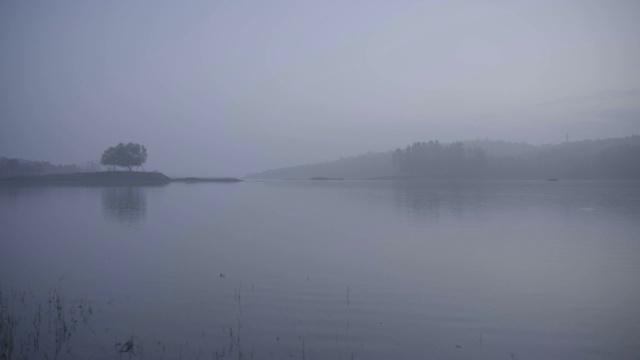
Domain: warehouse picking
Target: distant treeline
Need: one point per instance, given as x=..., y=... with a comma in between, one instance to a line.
x=12, y=167
x=585, y=159
x=616, y=158
x=432, y=159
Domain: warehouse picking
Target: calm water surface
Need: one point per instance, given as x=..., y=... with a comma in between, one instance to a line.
x=324, y=270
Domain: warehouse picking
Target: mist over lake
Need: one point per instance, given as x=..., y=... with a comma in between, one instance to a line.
x=325, y=269
x=340, y=180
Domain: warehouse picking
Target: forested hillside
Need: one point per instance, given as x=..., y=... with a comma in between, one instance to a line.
x=616, y=158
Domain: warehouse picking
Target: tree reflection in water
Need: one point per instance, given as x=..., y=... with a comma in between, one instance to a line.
x=125, y=205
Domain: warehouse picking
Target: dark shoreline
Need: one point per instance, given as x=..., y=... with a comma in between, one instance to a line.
x=107, y=178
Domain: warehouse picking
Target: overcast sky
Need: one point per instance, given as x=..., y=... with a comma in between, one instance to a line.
x=230, y=87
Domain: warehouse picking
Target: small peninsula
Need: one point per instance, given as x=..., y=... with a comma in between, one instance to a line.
x=108, y=178
x=121, y=156
x=91, y=178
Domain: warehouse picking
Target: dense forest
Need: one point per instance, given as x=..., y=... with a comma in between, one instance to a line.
x=434, y=160
x=617, y=158
x=585, y=159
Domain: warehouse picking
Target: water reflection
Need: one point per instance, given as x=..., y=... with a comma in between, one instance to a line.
x=543, y=270
x=432, y=199
x=125, y=205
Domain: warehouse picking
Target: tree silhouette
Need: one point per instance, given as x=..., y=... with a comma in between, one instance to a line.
x=124, y=155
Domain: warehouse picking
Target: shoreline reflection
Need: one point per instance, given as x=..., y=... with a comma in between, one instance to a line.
x=125, y=205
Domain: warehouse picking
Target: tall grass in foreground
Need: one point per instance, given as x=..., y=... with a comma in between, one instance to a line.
x=53, y=327
x=33, y=329
x=56, y=328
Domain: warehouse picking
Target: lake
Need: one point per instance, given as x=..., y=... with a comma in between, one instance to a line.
x=323, y=270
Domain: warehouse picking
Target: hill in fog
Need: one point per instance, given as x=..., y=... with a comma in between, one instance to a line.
x=365, y=166
x=602, y=158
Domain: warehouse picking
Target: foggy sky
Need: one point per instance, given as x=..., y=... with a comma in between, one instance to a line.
x=228, y=87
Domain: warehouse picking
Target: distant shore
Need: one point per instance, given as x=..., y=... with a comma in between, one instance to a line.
x=200, y=180
x=107, y=178
x=324, y=178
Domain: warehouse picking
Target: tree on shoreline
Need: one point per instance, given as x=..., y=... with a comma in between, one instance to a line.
x=124, y=155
